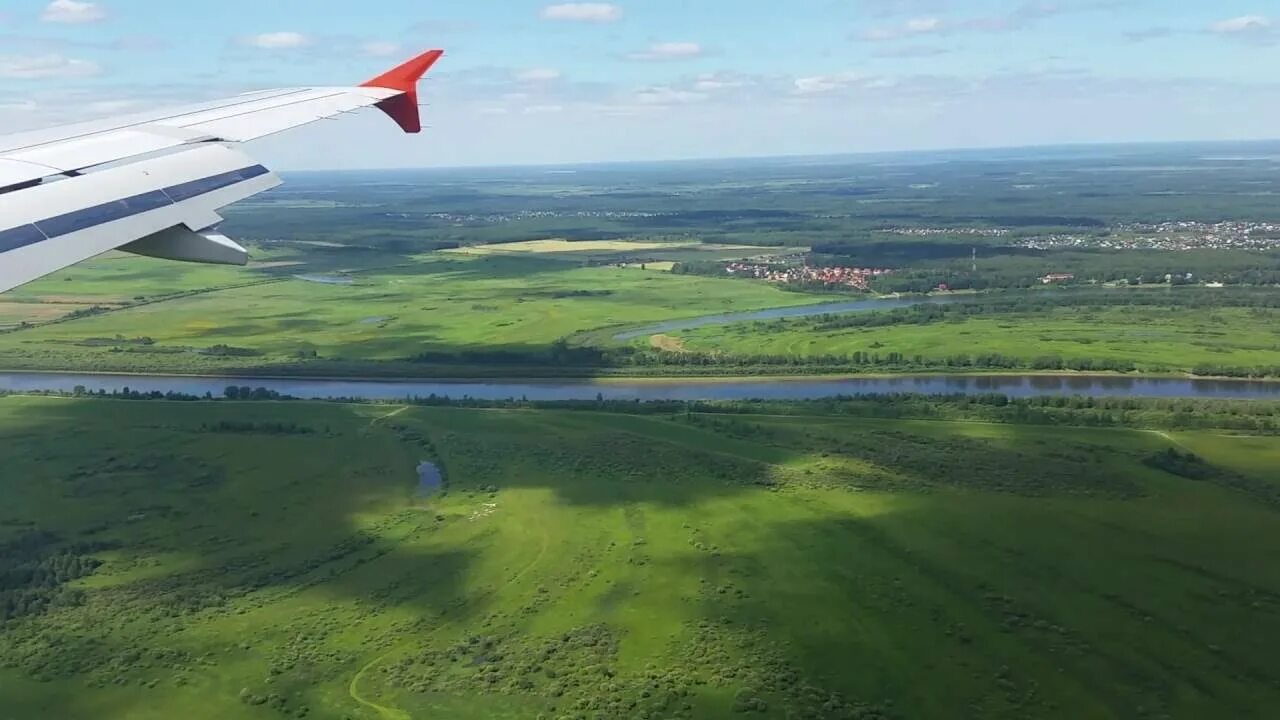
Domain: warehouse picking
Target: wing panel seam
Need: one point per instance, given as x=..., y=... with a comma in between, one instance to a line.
x=78, y=220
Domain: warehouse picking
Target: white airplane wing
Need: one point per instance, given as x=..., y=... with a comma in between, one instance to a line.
x=152, y=183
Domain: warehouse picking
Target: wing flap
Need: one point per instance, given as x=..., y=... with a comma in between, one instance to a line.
x=185, y=245
x=81, y=217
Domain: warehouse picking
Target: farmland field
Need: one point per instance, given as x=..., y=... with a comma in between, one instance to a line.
x=271, y=560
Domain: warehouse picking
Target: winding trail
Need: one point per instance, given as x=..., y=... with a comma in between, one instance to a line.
x=388, y=416
x=1167, y=436
x=385, y=712
x=353, y=688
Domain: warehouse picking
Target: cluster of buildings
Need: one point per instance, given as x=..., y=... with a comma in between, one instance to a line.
x=853, y=277
x=1179, y=235
x=1052, y=278
x=933, y=232
x=499, y=218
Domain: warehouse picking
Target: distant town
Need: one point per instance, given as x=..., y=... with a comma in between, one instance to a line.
x=852, y=277
x=1180, y=235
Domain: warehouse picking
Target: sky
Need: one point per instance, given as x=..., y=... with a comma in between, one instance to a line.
x=539, y=82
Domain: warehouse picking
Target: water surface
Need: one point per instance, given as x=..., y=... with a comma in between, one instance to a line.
x=430, y=480
x=1012, y=385
x=832, y=308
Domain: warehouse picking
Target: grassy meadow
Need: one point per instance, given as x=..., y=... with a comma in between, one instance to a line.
x=1152, y=338
x=272, y=560
x=439, y=302
x=494, y=310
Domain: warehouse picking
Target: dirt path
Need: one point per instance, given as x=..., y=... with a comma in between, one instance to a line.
x=389, y=415
x=385, y=712
x=1168, y=437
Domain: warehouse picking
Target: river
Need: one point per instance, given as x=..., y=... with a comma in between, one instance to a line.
x=1013, y=385
x=796, y=311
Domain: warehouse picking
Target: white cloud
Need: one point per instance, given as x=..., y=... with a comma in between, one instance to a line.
x=583, y=12
x=669, y=51
x=286, y=40
x=910, y=28
x=663, y=95
x=40, y=67
x=538, y=75
x=380, y=48
x=816, y=85
x=717, y=82
x=1242, y=24
x=543, y=109
x=923, y=25
x=1253, y=29
x=1245, y=23
x=823, y=84
x=72, y=12
x=1021, y=17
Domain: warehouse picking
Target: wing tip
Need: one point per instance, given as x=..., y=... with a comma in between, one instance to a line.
x=403, y=108
x=405, y=77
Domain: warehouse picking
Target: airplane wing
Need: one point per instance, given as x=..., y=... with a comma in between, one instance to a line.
x=152, y=183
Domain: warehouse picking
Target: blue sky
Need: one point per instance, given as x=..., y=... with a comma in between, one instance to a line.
x=532, y=81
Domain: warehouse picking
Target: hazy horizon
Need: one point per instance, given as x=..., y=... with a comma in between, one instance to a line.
x=536, y=82
x=1065, y=149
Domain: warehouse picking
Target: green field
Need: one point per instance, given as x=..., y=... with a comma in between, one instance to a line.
x=553, y=308
x=441, y=302
x=1150, y=337
x=268, y=560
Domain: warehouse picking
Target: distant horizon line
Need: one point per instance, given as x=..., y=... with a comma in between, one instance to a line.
x=801, y=157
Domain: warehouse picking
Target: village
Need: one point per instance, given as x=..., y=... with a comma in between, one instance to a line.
x=1175, y=236
x=852, y=277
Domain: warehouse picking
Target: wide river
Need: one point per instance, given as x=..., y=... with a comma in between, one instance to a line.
x=682, y=389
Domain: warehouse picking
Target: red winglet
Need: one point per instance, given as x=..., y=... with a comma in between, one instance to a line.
x=404, y=108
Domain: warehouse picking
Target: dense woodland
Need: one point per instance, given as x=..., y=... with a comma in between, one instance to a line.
x=35, y=567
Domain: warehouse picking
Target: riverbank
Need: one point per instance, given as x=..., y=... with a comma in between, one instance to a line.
x=605, y=376
x=1018, y=385
x=1165, y=334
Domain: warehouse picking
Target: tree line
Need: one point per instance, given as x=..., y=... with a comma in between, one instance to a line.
x=126, y=393
x=1255, y=416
